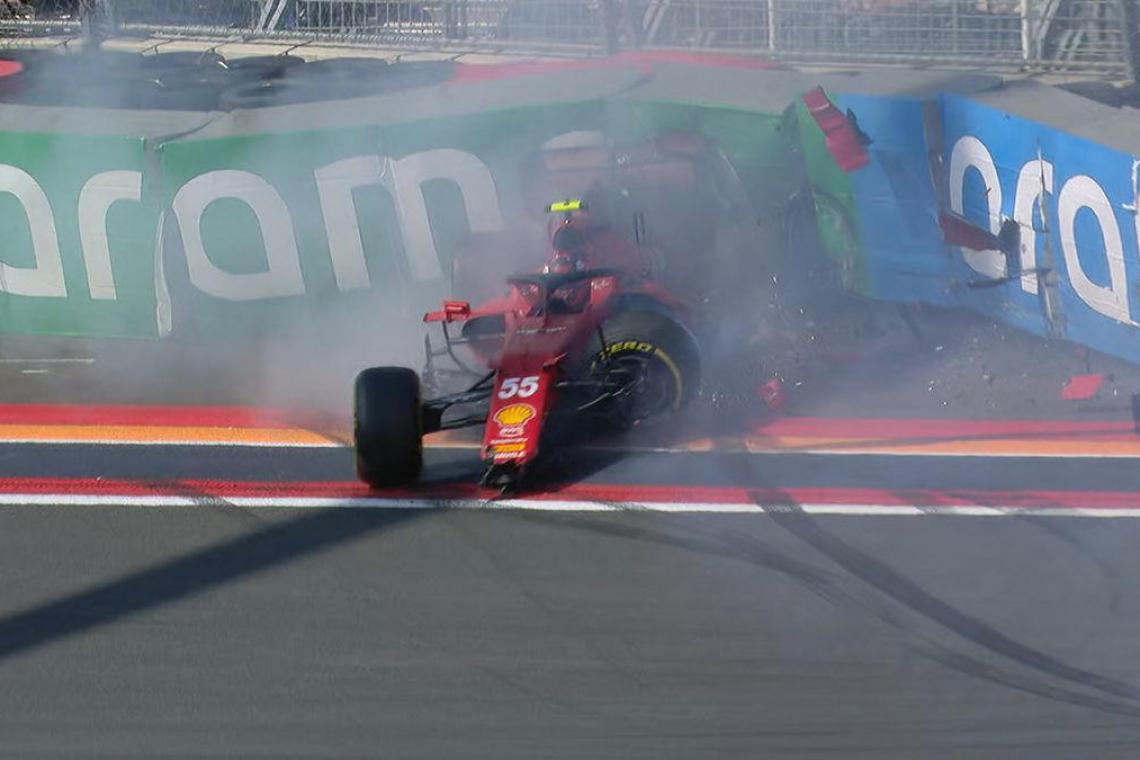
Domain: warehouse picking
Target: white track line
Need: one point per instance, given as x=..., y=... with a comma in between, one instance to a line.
x=843, y=451
x=633, y=449
x=539, y=505
x=329, y=444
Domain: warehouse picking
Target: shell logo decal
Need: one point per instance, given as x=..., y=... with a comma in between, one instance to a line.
x=515, y=414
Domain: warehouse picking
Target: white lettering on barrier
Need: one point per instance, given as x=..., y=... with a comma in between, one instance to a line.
x=970, y=153
x=282, y=276
x=405, y=177
x=1081, y=193
x=45, y=279
x=95, y=199
x=1033, y=183
x=402, y=178
x=1134, y=207
x=335, y=184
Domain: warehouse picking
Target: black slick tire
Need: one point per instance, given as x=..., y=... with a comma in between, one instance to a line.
x=667, y=351
x=388, y=429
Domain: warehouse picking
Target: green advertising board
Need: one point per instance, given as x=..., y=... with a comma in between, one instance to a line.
x=240, y=230
x=272, y=229
x=833, y=197
x=78, y=225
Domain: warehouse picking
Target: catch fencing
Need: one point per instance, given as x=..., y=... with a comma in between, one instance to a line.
x=1068, y=35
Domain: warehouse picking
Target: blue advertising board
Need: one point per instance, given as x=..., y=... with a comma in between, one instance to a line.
x=1074, y=202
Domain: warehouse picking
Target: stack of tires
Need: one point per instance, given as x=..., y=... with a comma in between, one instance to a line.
x=200, y=81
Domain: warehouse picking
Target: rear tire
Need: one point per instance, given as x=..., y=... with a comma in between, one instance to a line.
x=388, y=430
x=656, y=344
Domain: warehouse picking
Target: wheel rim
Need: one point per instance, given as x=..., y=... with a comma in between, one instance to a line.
x=652, y=388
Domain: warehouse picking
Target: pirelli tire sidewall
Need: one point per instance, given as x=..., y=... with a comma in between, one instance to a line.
x=660, y=338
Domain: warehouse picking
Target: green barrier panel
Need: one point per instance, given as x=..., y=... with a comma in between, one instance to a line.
x=833, y=196
x=261, y=222
x=247, y=228
x=78, y=230
x=270, y=232
x=273, y=230
x=245, y=241
x=759, y=145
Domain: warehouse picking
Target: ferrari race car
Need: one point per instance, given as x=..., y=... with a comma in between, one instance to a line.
x=591, y=343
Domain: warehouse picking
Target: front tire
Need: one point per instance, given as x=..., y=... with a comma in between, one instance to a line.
x=388, y=429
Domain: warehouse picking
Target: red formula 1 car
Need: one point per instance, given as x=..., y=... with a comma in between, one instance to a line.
x=591, y=343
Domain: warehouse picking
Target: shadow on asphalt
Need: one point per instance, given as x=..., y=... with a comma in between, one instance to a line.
x=263, y=548
x=185, y=576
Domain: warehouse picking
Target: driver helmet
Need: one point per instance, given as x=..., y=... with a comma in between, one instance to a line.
x=569, y=256
x=569, y=251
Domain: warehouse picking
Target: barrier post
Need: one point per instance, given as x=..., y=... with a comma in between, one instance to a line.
x=451, y=19
x=773, y=25
x=1130, y=14
x=631, y=22
x=98, y=21
x=1026, y=32
x=610, y=19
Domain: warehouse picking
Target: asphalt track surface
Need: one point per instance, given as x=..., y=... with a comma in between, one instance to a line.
x=220, y=629
x=213, y=630
x=172, y=589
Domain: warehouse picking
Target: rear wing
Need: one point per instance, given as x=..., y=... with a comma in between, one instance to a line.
x=452, y=311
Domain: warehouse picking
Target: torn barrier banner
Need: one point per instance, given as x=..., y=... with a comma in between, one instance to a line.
x=1075, y=203
x=1077, y=273
x=79, y=236
x=836, y=216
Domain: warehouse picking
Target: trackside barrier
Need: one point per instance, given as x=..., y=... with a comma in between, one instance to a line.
x=79, y=234
x=255, y=220
x=264, y=220
x=1076, y=272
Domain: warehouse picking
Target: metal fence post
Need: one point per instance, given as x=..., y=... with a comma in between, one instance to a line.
x=610, y=20
x=955, y=29
x=450, y=20
x=98, y=21
x=631, y=22
x=1130, y=14
x=773, y=25
x=1026, y=31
